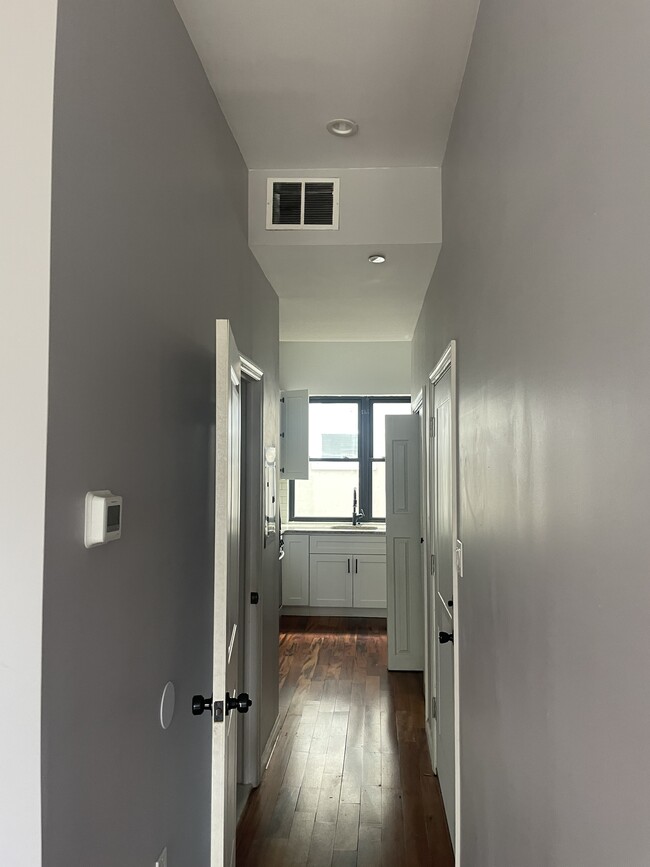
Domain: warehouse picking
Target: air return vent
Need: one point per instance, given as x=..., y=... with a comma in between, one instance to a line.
x=302, y=203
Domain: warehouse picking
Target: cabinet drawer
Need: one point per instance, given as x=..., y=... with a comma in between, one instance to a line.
x=347, y=544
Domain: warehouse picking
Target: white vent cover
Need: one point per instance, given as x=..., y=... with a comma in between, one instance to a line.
x=302, y=203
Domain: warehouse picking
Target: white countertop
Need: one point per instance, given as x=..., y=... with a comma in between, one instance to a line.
x=370, y=529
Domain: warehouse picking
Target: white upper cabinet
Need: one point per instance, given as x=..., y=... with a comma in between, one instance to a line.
x=294, y=434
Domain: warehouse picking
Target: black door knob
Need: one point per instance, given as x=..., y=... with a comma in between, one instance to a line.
x=240, y=703
x=199, y=704
x=444, y=637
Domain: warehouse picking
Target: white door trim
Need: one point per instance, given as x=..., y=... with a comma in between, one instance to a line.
x=253, y=454
x=448, y=362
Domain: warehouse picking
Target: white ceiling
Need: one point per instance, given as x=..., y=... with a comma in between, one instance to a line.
x=334, y=293
x=282, y=68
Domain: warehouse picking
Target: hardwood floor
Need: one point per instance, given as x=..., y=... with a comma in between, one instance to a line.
x=349, y=783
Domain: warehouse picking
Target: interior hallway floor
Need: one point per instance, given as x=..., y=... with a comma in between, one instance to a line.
x=349, y=781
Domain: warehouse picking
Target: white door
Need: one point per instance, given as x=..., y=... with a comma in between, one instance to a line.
x=405, y=591
x=444, y=574
x=226, y=595
x=369, y=580
x=330, y=580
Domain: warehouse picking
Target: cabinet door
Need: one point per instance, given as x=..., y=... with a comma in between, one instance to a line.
x=295, y=570
x=330, y=580
x=370, y=581
x=294, y=435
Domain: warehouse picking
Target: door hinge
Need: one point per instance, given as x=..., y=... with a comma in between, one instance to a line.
x=434, y=708
x=218, y=711
x=432, y=427
x=433, y=564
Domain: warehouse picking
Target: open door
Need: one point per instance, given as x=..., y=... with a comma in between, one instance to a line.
x=403, y=549
x=443, y=588
x=225, y=677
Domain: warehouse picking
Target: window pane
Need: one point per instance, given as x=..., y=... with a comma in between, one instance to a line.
x=328, y=493
x=379, y=413
x=379, y=489
x=334, y=430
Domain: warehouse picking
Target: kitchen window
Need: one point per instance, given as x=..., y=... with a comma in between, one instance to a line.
x=347, y=450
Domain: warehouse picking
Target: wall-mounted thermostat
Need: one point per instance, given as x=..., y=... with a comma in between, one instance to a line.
x=103, y=518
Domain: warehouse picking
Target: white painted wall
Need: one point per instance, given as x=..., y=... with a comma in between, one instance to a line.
x=27, y=35
x=377, y=206
x=346, y=368
x=543, y=279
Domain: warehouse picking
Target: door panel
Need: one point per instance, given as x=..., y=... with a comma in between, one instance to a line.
x=330, y=580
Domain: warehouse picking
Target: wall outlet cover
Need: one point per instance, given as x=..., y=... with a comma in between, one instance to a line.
x=162, y=858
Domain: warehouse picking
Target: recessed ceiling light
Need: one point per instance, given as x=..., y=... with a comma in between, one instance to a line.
x=376, y=258
x=343, y=127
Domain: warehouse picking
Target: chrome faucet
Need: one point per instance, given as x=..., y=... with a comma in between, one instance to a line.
x=356, y=516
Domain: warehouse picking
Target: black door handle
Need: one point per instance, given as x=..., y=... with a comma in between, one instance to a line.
x=445, y=637
x=199, y=704
x=240, y=703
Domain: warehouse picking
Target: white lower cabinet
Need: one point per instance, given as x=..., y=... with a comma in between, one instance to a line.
x=330, y=581
x=295, y=570
x=328, y=570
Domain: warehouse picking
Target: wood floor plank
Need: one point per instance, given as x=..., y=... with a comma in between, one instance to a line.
x=344, y=859
x=369, y=851
x=328, y=802
x=300, y=839
x=322, y=845
x=347, y=827
x=371, y=805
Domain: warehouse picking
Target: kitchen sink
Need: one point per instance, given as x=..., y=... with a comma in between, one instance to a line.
x=353, y=527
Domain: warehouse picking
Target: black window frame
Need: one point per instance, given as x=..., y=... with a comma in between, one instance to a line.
x=365, y=457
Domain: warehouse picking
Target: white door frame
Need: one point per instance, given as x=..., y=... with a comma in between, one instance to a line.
x=225, y=650
x=253, y=455
x=447, y=362
x=421, y=405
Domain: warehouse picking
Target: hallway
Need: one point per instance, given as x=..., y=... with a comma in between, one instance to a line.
x=349, y=781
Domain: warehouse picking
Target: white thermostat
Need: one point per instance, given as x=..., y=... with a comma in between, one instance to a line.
x=103, y=518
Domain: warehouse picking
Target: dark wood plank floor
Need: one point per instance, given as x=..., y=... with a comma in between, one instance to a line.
x=349, y=783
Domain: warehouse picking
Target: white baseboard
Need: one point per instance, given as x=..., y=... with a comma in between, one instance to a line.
x=309, y=611
x=431, y=745
x=268, y=749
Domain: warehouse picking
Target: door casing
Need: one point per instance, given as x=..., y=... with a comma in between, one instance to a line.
x=447, y=362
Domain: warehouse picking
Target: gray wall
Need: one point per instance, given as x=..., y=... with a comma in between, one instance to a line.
x=543, y=280
x=148, y=248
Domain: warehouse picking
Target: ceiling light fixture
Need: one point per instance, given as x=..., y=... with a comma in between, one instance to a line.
x=376, y=259
x=343, y=127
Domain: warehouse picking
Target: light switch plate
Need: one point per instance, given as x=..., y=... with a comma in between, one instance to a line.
x=162, y=858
